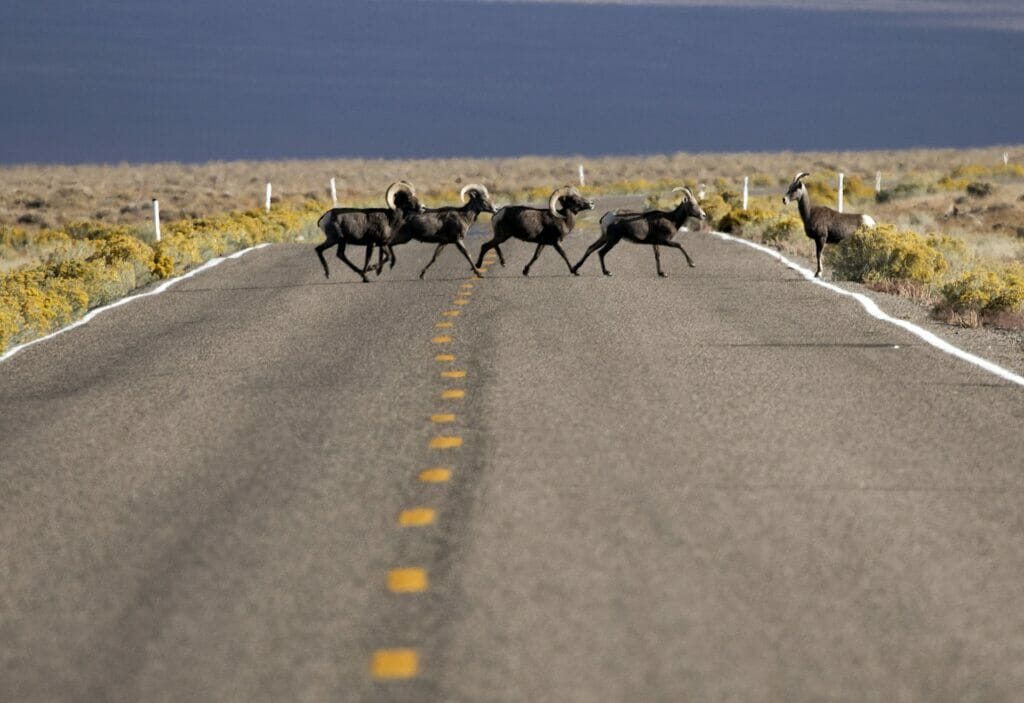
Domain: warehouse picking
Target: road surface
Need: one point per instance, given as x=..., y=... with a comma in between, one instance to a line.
x=729, y=484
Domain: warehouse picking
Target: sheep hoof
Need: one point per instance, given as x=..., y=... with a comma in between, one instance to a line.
x=607, y=273
x=692, y=265
x=662, y=274
x=526, y=272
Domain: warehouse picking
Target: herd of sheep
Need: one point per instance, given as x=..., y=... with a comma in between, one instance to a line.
x=405, y=219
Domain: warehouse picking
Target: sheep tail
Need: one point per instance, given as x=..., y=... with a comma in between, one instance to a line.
x=322, y=222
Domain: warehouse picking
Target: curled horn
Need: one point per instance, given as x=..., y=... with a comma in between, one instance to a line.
x=393, y=189
x=801, y=175
x=687, y=191
x=561, y=192
x=474, y=186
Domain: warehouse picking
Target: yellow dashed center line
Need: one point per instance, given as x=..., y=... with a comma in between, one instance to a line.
x=404, y=663
x=435, y=475
x=445, y=442
x=417, y=517
x=409, y=580
x=394, y=664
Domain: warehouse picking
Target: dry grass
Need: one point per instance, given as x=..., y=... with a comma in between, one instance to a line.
x=50, y=196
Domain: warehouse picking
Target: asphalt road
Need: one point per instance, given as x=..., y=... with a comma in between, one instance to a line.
x=729, y=484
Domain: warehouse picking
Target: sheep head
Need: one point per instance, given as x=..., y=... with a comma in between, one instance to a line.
x=478, y=196
x=402, y=196
x=797, y=189
x=690, y=205
x=570, y=199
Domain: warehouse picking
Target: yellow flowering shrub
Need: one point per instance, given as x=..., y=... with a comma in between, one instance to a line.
x=987, y=289
x=91, y=264
x=783, y=228
x=884, y=253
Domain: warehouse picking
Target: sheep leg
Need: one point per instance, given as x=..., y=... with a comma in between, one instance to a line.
x=462, y=248
x=366, y=261
x=590, y=250
x=501, y=257
x=320, y=249
x=492, y=244
x=677, y=245
x=526, y=271
x=819, y=246
x=604, y=251
x=437, y=251
x=483, y=250
x=561, y=251
x=657, y=261
x=341, y=255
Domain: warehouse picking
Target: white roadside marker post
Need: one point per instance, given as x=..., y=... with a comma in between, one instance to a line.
x=1006, y=158
x=583, y=180
x=839, y=195
x=334, y=193
x=746, y=191
x=156, y=218
x=269, y=190
x=878, y=181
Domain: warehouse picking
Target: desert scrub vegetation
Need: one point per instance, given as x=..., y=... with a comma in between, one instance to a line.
x=986, y=291
x=89, y=264
x=967, y=267
x=924, y=190
x=884, y=253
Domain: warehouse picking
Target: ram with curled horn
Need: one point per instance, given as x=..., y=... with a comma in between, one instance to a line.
x=542, y=226
x=368, y=227
x=444, y=225
x=654, y=227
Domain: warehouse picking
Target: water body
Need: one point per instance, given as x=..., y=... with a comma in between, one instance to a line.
x=115, y=80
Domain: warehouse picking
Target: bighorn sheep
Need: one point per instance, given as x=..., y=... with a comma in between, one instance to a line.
x=446, y=225
x=543, y=226
x=655, y=227
x=366, y=227
x=822, y=224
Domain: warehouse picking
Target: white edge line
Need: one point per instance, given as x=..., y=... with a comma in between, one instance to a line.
x=872, y=309
x=123, y=301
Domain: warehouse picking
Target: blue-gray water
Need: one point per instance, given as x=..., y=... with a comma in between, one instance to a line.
x=192, y=80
